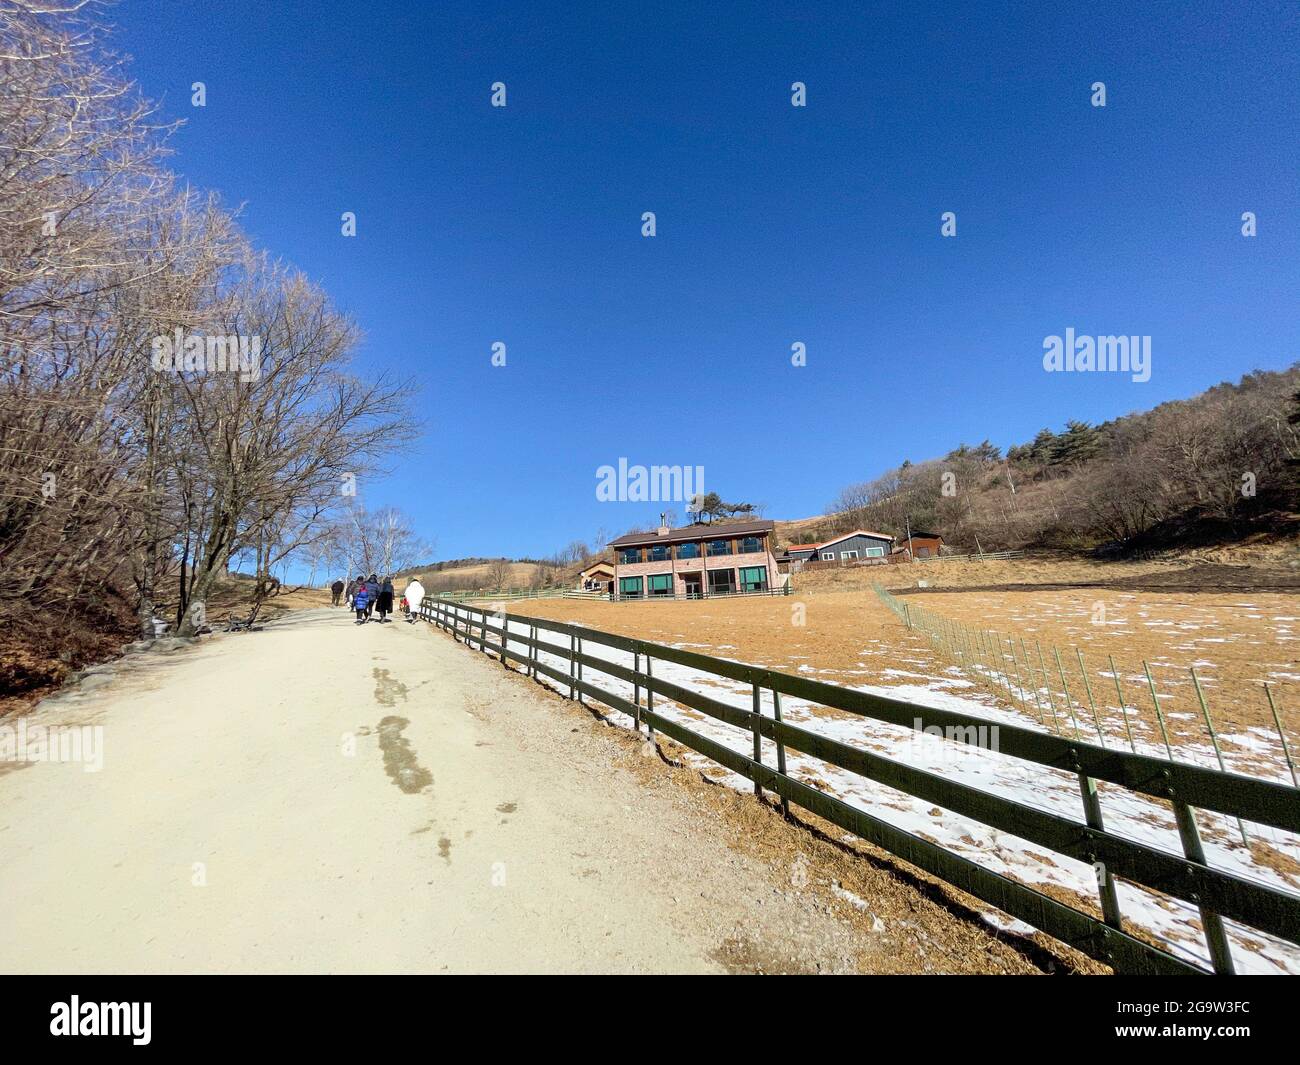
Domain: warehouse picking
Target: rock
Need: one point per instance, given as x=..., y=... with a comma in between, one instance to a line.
x=96, y=680
x=168, y=644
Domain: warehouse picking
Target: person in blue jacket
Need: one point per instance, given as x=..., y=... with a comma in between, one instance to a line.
x=361, y=600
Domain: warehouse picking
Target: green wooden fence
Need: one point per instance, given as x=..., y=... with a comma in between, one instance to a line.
x=1217, y=893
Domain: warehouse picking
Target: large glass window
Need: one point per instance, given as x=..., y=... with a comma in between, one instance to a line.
x=719, y=547
x=661, y=584
x=629, y=554
x=753, y=578
x=751, y=545
x=659, y=553
x=722, y=580
x=688, y=550
x=629, y=587
x=874, y=552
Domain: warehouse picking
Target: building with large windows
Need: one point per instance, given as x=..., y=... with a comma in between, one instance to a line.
x=696, y=561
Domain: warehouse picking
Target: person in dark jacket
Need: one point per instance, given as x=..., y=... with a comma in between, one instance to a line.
x=336, y=592
x=372, y=594
x=351, y=590
x=361, y=601
x=384, y=604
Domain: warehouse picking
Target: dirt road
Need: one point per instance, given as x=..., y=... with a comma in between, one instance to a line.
x=325, y=797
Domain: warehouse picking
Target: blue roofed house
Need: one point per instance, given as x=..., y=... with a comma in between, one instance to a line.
x=855, y=546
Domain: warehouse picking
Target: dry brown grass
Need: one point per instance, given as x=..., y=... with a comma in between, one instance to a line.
x=835, y=626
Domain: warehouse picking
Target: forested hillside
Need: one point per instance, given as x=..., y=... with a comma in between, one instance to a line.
x=1215, y=467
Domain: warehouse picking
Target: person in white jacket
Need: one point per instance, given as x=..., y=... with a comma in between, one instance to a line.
x=414, y=594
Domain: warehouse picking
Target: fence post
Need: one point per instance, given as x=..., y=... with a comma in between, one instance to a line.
x=636, y=691
x=780, y=750
x=1105, y=882
x=1215, y=937
x=649, y=695
x=756, y=721
x=572, y=667
x=580, y=702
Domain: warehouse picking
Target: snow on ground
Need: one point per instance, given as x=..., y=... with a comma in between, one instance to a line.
x=1174, y=922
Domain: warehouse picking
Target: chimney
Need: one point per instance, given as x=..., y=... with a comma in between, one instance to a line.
x=663, y=524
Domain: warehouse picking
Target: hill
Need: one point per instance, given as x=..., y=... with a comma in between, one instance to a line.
x=1214, y=468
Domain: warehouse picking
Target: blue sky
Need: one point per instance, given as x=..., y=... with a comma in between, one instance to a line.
x=776, y=224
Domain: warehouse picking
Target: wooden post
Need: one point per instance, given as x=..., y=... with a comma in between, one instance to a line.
x=572, y=668
x=1211, y=923
x=1105, y=882
x=758, y=735
x=780, y=750
x=649, y=695
x=636, y=691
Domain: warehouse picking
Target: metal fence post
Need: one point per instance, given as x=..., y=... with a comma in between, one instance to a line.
x=1215, y=937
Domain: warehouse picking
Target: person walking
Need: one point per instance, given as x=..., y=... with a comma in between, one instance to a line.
x=351, y=590
x=336, y=592
x=361, y=601
x=372, y=593
x=384, y=604
x=414, y=594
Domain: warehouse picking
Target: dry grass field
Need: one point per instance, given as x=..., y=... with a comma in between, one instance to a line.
x=1237, y=622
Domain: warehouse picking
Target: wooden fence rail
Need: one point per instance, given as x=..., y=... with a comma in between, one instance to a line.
x=1217, y=893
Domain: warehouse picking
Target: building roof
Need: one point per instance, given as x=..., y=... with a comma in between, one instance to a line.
x=858, y=532
x=698, y=531
x=803, y=547
x=602, y=564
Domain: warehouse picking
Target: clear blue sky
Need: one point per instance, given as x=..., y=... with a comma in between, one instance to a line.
x=775, y=224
